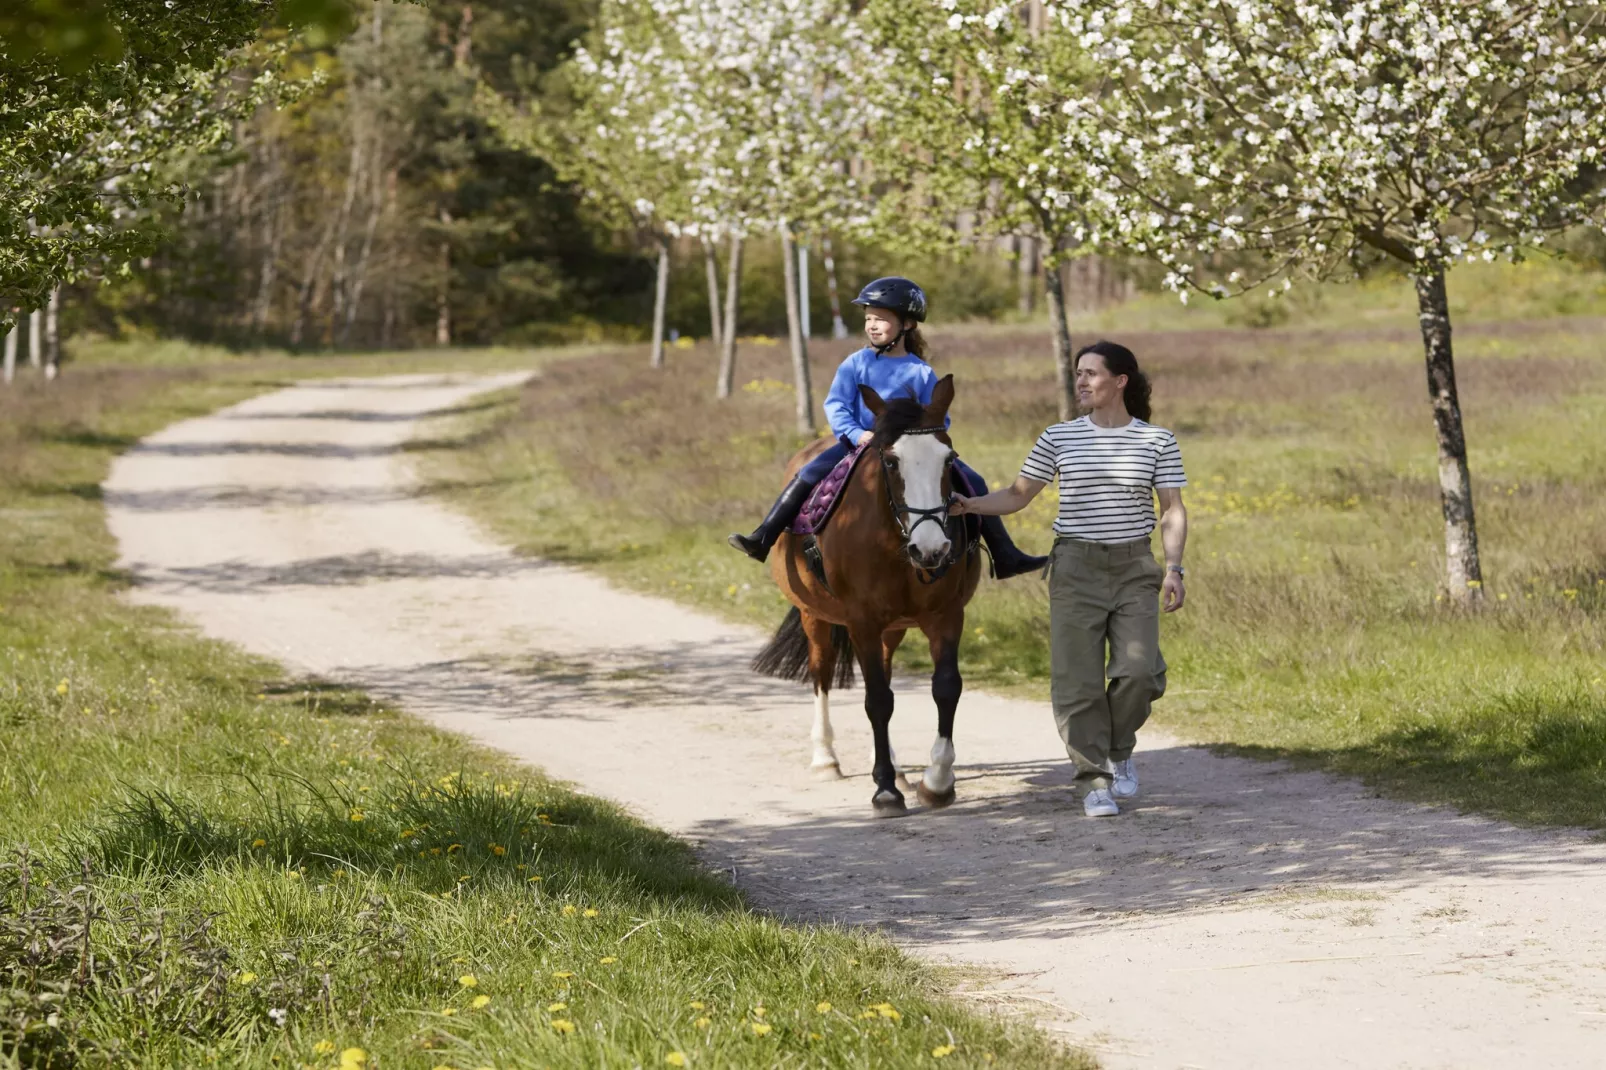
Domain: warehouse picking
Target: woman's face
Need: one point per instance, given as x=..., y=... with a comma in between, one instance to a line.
x=1096, y=388
x=881, y=325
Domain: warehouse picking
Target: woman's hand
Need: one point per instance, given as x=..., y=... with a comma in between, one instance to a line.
x=958, y=505
x=1172, y=592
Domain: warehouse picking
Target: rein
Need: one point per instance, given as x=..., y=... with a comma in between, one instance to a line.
x=901, y=513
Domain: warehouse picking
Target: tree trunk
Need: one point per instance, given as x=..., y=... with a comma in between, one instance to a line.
x=660, y=304
x=711, y=267
x=1064, y=366
x=1026, y=274
x=733, y=286
x=53, y=334
x=10, y=366
x=360, y=276
x=794, y=329
x=443, y=291
x=309, y=283
x=803, y=289
x=839, y=329
x=1463, y=572
x=36, y=337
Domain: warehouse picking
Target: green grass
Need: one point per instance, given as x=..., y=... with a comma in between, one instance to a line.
x=206, y=864
x=1316, y=628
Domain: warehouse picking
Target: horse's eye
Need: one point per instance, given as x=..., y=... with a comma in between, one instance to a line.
x=892, y=463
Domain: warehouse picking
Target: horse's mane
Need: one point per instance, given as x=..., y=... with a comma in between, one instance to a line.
x=901, y=415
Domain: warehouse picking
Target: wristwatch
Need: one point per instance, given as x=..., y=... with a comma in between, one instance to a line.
x=1178, y=569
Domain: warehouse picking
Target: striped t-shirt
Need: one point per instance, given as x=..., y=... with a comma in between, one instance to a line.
x=1106, y=476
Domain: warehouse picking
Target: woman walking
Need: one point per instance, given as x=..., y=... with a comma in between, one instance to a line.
x=1105, y=587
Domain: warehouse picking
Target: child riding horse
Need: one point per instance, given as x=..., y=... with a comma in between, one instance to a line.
x=893, y=309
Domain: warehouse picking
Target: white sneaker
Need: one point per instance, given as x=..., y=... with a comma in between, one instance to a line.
x=1126, y=780
x=1098, y=803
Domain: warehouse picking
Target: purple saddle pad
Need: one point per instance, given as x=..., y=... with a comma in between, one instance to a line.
x=822, y=503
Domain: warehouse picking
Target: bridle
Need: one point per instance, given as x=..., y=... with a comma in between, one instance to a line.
x=901, y=512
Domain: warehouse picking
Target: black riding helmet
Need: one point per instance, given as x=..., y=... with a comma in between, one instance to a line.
x=895, y=294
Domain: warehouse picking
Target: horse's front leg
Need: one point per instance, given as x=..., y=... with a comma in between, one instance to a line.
x=936, y=788
x=822, y=667
x=887, y=800
x=890, y=641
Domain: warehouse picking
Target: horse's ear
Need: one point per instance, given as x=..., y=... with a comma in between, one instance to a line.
x=872, y=400
x=942, y=396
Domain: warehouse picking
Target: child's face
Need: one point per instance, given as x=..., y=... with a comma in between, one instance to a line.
x=881, y=325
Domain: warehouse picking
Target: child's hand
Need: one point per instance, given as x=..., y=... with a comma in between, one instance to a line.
x=958, y=505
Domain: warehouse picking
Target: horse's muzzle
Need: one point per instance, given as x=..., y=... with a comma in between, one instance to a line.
x=932, y=558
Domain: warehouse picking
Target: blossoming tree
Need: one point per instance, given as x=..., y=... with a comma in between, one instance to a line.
x=979, y=87
x=1305, y=138
x=768, y=101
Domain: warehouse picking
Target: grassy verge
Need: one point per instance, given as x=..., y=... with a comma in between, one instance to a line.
x=207, y=865
x=1315, y=629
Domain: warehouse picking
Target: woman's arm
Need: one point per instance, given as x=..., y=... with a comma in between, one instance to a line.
x=1174, y=537
x=1011, y=499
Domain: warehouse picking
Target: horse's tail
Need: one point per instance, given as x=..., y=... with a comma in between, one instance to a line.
x=787, y=655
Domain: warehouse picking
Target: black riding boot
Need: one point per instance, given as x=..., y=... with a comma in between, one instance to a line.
x=1008, y=559
x=781, y=514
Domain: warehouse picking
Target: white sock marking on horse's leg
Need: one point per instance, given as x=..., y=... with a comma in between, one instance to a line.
x=939, y=777
x=824, y=753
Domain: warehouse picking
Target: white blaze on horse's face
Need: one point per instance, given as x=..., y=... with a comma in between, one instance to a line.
x=922, y=462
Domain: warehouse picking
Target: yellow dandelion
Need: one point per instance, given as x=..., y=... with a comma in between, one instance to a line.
x=534, y=879
x=703, y=1023
x=352, y=1058
x=607, y=960
x=761, y=1029
x=246, y=977
x=498, y=850
x=448, y=1011
x=568, y=910
x=1474, y=584
x=479, y=1001
x=434, y=851
x=822, y=1007
x=553, y=1008
x=867, y=1014
x=592, y=912
x=942, y=1051
x=358, y=815
x=259, y=843
x=468, y=980
x=562, y=1025
x=816, y=1036
x=697, y=1005
x=406, y=834
x=293, y=875
x=454, y=848
x=563, y=975
x=886, y=1010
x=675, y=1058
x=759, y=1012
x=323, y=1047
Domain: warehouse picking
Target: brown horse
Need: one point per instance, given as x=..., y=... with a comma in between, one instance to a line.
x=889, y=560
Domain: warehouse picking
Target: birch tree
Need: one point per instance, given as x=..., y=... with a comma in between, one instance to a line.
x=1305, y=139
x=980, y=87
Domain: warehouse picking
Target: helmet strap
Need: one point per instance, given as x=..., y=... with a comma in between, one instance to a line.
x=886, y=347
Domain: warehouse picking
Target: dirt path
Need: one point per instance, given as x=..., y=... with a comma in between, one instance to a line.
x=1242, y=916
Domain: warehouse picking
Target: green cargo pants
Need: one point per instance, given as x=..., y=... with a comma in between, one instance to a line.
x=1104, y=597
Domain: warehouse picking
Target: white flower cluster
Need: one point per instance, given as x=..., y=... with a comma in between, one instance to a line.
x=1311, y=133
x=730, y=116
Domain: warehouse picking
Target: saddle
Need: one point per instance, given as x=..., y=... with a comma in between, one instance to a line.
x=819, y=506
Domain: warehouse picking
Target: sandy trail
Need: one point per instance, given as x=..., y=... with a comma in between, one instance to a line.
x=1242, y=916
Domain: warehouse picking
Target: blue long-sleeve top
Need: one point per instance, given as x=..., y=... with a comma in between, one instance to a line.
x=901, y=376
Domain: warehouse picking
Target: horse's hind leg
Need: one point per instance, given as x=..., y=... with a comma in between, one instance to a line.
x=936, y=787
x=822, y=667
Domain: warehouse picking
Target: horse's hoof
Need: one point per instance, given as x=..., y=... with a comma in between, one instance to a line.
x=829, y=771
x=889, y=804
x=934, y=800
